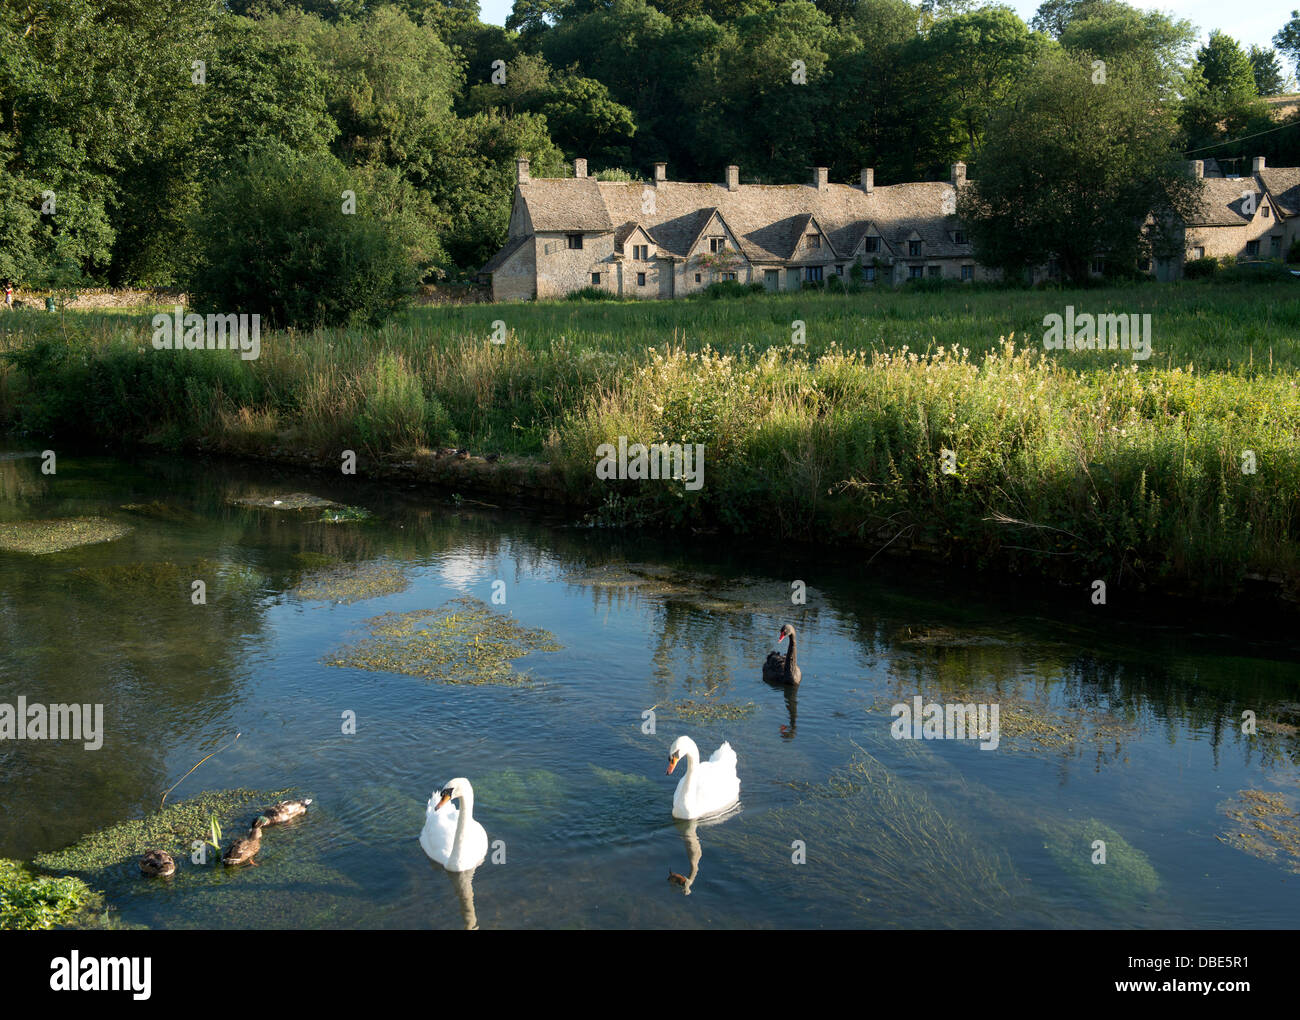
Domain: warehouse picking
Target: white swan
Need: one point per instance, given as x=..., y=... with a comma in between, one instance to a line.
x=452, y=837
x=708, y=787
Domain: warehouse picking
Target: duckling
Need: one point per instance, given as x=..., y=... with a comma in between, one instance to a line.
x=157, y=863
x=285, y=811
x=242, y=851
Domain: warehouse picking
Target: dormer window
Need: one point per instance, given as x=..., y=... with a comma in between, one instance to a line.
x=717, y=244
x=575, y=241
x=959, y=237
x=641, y=252
x=872, y=244
x=914, y=247
x=1263, y=211
x=814, y=240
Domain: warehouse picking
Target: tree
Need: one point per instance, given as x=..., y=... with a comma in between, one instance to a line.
x=1071, y=170
x=277, y=241
x=1054, y=16
x=1222, y=100
x=1270, y=79
x=1287, y=39
x=1118, y=34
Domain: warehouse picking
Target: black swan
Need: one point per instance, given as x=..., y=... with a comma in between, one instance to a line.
x=782, y=669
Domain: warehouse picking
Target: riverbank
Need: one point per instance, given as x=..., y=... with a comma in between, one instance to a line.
x=906, y=423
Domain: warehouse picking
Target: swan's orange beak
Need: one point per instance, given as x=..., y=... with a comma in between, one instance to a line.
x=443, y=800
x=672, y=764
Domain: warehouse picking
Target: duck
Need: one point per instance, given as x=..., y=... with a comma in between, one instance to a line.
x=782, y=669
x=452, y=836
x=285, y=811
x=708, y=787
x=244, y=850
x=157, y=863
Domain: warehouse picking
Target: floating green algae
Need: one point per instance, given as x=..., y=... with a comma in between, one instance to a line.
x=220, y=579
x=38, y=538
x=1127, y=874
x=463, y=642
x=1264, y=825
x=706, y=711
x=288, y=501
x=158, y=510
x=345, y=515
x=30, y=902
x=173, y=829
x=352, y=582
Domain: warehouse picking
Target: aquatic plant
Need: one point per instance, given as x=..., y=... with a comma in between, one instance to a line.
x=38, y=538
x=29, y=901
x=463, y=642
x=1264, y=825
x=705, y=711
x=352, y=582
x=174, y=829
x=1127, y=876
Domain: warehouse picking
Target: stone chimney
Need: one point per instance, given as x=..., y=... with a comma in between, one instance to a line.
x=521, y=171
x=661, y=173
x=958, y=174
x=579, y=168
x=733, y=178
x=1257, y=164
x=1198, y=167
x=821, y=178
x=868, y=178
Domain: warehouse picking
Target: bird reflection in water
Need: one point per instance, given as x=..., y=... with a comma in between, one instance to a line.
x=690, y=837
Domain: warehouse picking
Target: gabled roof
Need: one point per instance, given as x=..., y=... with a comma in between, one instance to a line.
x=1283, y=183
x=1222, y=204
x=503, y=256
x=572, y=203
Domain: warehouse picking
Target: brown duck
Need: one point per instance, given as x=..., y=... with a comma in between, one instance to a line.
x=242, y=851
x=157, y=863
x=782, y=669
x=285, y=811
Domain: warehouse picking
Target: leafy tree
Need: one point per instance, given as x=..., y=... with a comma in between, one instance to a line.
x=1287, y=39
x=1222, y=99
x=294, y=256
x=1071, y=170
x=1119, y=34
x=1270, y=79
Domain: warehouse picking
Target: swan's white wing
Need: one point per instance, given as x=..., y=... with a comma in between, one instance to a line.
x=724, y=755
x=439, y=831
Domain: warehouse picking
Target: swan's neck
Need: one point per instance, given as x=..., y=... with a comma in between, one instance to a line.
x=789, y=659
x=466, y=816
x=690, y=770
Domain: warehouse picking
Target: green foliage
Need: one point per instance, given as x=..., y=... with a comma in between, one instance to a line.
x=591, y=294
x=1197, y=269
x=30, y=902
x=1270, y=79
x=299, y=260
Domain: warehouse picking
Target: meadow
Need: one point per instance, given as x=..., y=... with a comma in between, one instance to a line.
x=1180, y=472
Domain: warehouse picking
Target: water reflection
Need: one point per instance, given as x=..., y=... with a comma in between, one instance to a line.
x=462, y=885
x=690, y=833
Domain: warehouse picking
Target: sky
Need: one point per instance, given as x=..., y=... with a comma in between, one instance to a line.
x=1254, y=22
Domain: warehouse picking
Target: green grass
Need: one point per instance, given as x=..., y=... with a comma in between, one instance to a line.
x=1072, y=465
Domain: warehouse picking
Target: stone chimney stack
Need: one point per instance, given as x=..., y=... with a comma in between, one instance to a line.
x=958, y=174
x=579, y=168
x=821, y=178
x=1198, y=167
x=1257, y=164
x=868, y=177
x=733, y=178
x=521, y=171
x=661, y=173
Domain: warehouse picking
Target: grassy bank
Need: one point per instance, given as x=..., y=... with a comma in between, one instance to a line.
x=1076, y=465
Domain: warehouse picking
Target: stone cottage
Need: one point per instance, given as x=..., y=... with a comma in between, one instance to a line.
x=665, y=239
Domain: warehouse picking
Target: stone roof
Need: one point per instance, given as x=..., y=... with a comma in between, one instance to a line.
x=1283, y=184
x=572, y=203
x=1222, y=202
x=500, y=258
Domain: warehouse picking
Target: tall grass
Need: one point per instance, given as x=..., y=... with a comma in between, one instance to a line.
x=1068, y=464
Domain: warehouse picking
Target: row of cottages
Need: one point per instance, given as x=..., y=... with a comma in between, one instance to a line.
x=665, y=239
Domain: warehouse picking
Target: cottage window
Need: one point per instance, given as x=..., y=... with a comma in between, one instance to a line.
x=839, y=270
x=915, y=272
x=813, y=274
x=641, y=252
x=1263, y=211
x=814, y=240
x=959, y=237
x=575, y=241
x=935, y=272
x=871, y=274
x=872, y=244
x=1098, y=266
x=914, y=247
x=1198, y=252
x=967, y=273
x=595, y=279
x=640, y=279
x=697, y=277
x=728, y=276
x=717, y=244
x=1252, y=249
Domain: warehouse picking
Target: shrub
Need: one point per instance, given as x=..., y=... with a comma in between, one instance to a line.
x=591, y=294
x=274, y=240
x=731, y=289
x=1198, y=269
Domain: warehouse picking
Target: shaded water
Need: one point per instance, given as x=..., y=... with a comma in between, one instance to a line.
x=1146, y=751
